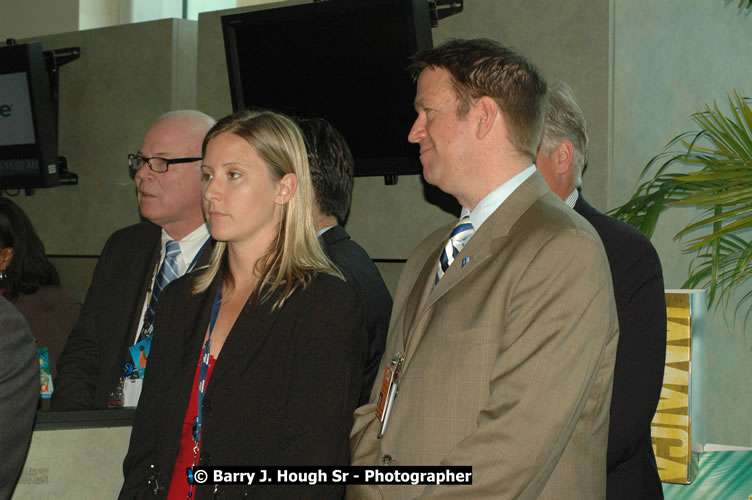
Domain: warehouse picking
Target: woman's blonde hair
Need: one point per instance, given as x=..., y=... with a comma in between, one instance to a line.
x=295, y=255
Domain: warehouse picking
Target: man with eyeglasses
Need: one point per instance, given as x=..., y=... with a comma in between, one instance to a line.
x=102, y=362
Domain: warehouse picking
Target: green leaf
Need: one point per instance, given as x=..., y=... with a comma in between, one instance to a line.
x=709, y=168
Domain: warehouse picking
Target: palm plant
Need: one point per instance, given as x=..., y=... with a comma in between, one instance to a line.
x=710, y=169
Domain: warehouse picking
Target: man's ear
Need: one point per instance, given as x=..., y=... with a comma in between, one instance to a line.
x=564, y=156
x=486, y=111
x=286, y=188
x=6, y=255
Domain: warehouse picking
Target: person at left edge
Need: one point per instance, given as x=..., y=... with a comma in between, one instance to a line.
x=19, y=393
x=167, y=177
x=270, y=331
x=31, y=283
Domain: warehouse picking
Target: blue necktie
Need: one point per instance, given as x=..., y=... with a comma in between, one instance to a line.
x=460, y=235
x=168, y=271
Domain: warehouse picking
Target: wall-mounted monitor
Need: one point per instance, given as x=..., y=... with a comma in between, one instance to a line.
x=344, y=60
x=28, y=128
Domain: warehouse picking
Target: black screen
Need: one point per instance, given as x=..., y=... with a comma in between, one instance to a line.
x=28, y=129
x=344, y=60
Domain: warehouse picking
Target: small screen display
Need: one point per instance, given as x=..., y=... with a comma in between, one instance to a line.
x=16, y=123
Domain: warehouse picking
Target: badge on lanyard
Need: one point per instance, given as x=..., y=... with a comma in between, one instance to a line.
x=388, y=391
x=139, y=353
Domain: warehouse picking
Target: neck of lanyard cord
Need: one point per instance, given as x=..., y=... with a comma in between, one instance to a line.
x=203, y=371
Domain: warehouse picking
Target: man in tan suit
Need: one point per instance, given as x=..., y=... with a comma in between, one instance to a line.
x=506, y=332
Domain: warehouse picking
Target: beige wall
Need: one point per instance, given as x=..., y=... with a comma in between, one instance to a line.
x=74, y=464
x=98, y=13
x=125, y=78
x=32, y=18
x=35, y=18
x=568, y=41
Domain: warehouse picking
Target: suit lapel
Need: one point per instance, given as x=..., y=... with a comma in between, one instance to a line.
x=424, y=295
x=417, y=294
x=246, y=338
x=488, y=240
x=205, y=258
x=151, y=257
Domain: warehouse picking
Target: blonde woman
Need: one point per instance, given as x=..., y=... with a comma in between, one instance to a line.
x=256, y=359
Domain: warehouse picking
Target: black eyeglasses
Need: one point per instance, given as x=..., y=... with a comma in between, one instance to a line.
x=156, y=164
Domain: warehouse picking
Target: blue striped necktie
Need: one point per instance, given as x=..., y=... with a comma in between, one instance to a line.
x=460, y=235
x=168, y=271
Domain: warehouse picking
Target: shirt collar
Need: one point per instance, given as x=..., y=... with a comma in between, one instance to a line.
x=572, y=198
x=190, y=245
x=323, y=230
x=495, y=198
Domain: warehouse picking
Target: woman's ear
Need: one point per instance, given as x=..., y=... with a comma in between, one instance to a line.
x=286, y=188
x=6, y=256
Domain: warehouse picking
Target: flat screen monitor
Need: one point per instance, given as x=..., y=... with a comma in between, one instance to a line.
x=344, y=60
x=28, y=128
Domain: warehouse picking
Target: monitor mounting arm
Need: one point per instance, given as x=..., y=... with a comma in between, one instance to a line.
x=443, y=8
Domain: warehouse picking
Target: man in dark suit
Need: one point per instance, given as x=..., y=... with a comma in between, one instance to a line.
x=332, y=170
x=640, y=302
x=136, y=262
x=19, y=393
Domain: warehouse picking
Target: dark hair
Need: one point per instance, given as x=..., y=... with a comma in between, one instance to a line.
x=484, y=67
x=29, y=267
x=332, y=167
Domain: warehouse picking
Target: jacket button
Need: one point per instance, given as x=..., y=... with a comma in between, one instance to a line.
x=205, y=458
x=206, y=405
x=387, y=459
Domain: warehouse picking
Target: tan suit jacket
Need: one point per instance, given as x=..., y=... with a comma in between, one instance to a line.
x=509, y=360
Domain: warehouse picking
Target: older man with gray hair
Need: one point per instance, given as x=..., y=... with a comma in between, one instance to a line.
x=103, y=362
x=640, y=303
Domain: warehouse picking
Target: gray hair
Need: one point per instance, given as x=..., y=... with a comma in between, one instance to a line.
x=565, y=121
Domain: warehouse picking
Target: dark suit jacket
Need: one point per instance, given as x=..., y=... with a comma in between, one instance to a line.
x=282, y=391
x=19, y=393
x=640, y=357
x=92, y=360
x=375, y=300
x=52, y=313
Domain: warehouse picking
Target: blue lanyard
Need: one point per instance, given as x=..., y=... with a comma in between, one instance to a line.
x=205, y=356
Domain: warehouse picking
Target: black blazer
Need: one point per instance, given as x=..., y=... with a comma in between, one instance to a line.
x=282, y=392
x=375, y=300
x=640, y=357
x=92, y=360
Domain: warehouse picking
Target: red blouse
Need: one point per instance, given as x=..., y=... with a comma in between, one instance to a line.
x=179, y=484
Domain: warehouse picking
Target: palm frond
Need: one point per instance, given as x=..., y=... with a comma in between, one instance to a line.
x=711, y=169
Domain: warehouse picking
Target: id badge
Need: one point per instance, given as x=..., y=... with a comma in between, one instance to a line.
x=388, y=391
x=132, y=391
x=45, y=373
x=139, y=354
